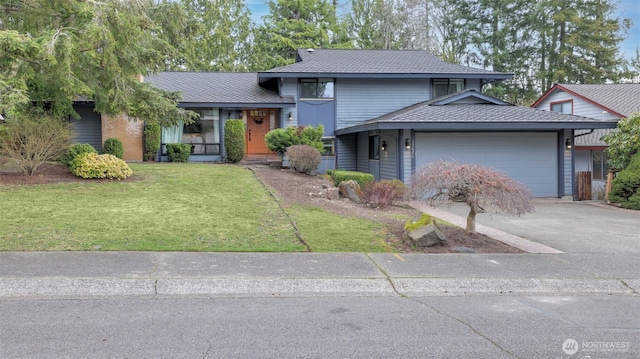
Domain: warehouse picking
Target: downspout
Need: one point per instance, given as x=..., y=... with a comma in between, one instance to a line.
x=583, y=134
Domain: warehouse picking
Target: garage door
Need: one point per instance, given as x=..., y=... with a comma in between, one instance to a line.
x=529, y=158
x=88, y=129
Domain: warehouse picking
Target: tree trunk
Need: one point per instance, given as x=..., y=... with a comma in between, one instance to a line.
x=471, y=221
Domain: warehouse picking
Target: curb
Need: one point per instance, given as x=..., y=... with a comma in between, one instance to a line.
x=42, y=287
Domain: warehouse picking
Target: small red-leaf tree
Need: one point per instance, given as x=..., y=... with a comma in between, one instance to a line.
x=481, y=188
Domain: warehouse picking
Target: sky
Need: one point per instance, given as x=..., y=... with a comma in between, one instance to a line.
x=626, y=9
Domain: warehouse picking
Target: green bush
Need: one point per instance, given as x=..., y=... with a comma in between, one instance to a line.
x=152, y=140
x=113, y=146
x=74, y=151
x=303, y=158
x=625, y=188
x=279, y=139
x=178, y=152
x=363, y=179
x=93, y=165
x=234, y=140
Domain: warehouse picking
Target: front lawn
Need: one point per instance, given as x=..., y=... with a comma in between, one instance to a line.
x=166, y=207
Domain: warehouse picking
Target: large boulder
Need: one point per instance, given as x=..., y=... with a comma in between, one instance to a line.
x=427, y=236
x=351, y=190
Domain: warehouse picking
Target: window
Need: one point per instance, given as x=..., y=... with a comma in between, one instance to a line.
x=374, y=147
x=562, y=107
x=600, y=166
x=316, y=88
x=203, y=134
x=329, y=147
x=443, y=87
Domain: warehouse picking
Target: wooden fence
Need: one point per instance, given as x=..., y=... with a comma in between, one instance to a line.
x=583, y=186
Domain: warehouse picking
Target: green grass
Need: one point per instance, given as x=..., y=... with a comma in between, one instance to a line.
x=328, y=232
x=168, y=207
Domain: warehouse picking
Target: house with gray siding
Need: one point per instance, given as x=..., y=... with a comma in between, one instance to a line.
x=385, y=112
x=603, y=102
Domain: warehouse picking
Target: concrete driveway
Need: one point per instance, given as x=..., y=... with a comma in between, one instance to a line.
x=572, y=227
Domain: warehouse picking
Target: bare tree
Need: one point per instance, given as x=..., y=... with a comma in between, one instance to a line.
x=481, y=188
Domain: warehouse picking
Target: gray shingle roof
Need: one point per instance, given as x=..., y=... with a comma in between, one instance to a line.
x=217, y=87
x=489, y=116
x=377, y=62
x=590, y=139
x=621, y=98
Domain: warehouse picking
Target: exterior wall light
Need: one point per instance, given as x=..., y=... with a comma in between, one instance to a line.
x=407, y=144
x=568, y=143
x=384, y=146
x=290, y=117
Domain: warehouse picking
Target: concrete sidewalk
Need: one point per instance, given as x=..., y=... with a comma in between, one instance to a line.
x=154, y=274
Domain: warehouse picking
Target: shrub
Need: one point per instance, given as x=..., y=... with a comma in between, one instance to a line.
x=93, y=165
x=234, y=140
x=625, y=188
x=279, y=139
x=30, y=140
x=178, y=152
x=384, y=193
x=363, y=179
x=303, y=158
x=74, y=151
x=152, y=140
x=113, y=146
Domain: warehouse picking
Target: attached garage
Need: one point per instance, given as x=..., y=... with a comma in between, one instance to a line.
x=528, y=157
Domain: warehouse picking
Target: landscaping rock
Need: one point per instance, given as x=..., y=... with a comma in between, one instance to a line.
x=427, y=236
x=463, y=250
x=351, y=190
x=332, y=193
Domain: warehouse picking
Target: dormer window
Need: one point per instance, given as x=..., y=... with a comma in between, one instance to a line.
x=443, y=87
x=316, y=88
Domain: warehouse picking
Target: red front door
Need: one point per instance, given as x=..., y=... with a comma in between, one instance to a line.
x=257, y=127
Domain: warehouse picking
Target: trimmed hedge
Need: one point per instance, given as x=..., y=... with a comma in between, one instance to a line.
x=178, y=152
x=234, y=143
x=113, y=146
x=363, y=179
x=93, y=165
x=74, y=151
x=152, y=140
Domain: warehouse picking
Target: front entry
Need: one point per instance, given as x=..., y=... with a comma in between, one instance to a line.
x=257, y=127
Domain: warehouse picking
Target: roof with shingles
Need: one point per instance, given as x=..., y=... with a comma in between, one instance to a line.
x=433, y=113
x=343, y=61
x=218, y=87
x=623, y=99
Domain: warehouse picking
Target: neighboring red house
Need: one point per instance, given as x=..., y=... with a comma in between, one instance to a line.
x=597, y=101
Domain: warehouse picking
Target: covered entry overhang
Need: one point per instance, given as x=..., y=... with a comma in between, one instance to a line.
x=531, y=146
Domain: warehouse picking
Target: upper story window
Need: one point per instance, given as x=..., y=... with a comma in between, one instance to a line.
x=316, y=88
x=443, y=87
x=562, y=107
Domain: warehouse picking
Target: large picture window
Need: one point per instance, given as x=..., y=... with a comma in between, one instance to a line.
x=316, y=88
x=203, y=134
x=443, y=87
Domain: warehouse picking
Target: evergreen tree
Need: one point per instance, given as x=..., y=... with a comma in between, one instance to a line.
x=295, y=24
x=216, y=38
x=55, y=52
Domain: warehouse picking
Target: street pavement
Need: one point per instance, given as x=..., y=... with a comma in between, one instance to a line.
x=598, y=248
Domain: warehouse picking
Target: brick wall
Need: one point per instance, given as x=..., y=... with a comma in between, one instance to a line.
x=130, y=132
